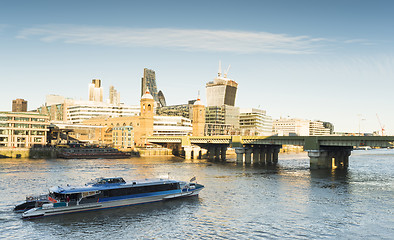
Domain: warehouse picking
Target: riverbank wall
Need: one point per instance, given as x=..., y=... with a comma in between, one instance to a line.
x=28, y=153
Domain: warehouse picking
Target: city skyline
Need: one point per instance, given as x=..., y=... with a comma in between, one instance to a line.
x=330, y=61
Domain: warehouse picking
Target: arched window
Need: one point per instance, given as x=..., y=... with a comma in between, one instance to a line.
x=149, y=107
x=124, y=124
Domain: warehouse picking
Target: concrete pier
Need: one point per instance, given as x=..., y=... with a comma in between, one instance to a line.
x=240, y=154
x=223, y=151
x=329, y=158
x=256, y=155
x=248, y=156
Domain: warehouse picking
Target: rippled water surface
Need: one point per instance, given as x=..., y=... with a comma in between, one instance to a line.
x=239, y=202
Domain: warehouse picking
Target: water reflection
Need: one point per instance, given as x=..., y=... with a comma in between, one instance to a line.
x=239, y=202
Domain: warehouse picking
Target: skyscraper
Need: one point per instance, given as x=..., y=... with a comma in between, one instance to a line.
x=95, y=91
x=114, y=96
x=19, y=105
x=148, y=82
x=222, y=117
x=222, y=90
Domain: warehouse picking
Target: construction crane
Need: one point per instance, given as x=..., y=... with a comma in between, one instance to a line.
x=225, y=75
x=381, y=126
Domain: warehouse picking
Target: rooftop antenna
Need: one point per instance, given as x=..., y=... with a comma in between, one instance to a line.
x=220, y=69
x=198, y=98
x=225, y=75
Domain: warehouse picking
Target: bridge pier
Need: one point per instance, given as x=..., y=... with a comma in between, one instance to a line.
x=240, y=154
x=268, y=156
x=248, y=156
x=256, y=154
x=263, y=154
x=188, y=152
x=196, y=152
x=223, y=151
x=275, y=155
x=332, y=158
x=211, y=152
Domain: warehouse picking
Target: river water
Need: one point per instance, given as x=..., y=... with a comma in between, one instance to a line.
x=288, y=201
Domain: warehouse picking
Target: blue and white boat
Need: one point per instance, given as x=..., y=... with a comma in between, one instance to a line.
x=115, y=192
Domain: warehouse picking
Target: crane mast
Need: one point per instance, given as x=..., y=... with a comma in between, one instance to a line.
x=381, y=126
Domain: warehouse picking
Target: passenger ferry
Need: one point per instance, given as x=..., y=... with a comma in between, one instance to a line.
x=106, y=193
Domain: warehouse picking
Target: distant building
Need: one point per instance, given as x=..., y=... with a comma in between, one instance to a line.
x=317, y=128
x=255, y=122
x=55, y=108
x=222, y=120
x=95, y=91
x=148, y=82
x=221, y=115
x=291, y=127
x=221, y=91
x=114, y=96
x=183, y=110
x=19, y=105
x=299, y=127
x=79, y=111
x=171, y=126
x=162, y=99
x=25, y=129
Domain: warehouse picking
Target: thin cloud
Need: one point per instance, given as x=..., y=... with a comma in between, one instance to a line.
x=181, y=39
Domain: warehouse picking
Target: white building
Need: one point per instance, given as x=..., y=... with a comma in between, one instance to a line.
x=316, y=128
x=171, y=126
x=291, y=127
x=255, y=122
x=299, y=127
x=78, y=111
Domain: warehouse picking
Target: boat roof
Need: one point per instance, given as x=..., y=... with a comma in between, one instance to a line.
x=108, y=183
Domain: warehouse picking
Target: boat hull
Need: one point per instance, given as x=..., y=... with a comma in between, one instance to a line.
x=106, y=204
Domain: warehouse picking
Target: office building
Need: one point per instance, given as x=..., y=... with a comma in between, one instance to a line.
x=79, y=111
x=255, y=122
x=114, y=96
x=183, y=110
x=300, y=127
x=221, y=116
x=95, y=91
x=221, y=91
x=19, y=105
x=317, y=128
x=25, y=129
x=222, y=120
x=148, y=82
x=291, y=127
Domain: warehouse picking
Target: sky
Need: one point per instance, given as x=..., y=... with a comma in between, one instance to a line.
x=318, y=60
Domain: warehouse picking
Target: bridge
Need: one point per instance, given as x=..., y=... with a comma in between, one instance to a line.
x=324, y=151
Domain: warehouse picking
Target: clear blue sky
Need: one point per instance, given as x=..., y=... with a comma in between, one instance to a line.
x=318, y=60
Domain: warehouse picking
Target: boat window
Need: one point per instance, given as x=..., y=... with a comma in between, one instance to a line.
x=140, y=189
